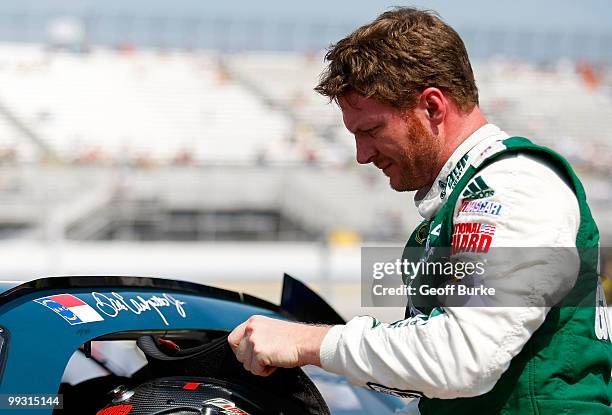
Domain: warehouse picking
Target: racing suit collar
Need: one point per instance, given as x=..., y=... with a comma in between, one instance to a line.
x=429, y=199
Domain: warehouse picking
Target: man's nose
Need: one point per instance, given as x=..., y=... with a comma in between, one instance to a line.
x=365, y=150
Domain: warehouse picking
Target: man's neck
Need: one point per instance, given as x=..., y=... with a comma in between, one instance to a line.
x=458, y=127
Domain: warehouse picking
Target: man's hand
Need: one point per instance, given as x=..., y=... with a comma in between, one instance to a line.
x=262, y=344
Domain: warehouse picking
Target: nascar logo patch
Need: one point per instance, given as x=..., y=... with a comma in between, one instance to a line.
x=481, y=206
x=70, y=308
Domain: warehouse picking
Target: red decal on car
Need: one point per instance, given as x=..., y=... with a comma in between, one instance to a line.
x=116, y=410
x=191, y=386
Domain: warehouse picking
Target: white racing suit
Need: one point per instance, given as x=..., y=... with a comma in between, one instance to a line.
x=464, y=351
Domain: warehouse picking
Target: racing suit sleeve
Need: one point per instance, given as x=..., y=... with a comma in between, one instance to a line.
x=463, y=351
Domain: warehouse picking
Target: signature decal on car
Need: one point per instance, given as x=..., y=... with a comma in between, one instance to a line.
x=113, y=304
x=70, y=308
x=228, y=407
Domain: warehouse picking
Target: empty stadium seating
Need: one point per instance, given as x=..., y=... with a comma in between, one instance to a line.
x=125, y=106
x=117, y=107
x=238, y=120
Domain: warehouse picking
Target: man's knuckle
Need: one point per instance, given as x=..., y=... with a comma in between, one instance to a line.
x=258, y=352
x=268, y=370
x=250, y=325
x=253, y=319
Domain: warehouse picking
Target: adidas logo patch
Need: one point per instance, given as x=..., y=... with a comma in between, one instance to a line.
x=477, y=189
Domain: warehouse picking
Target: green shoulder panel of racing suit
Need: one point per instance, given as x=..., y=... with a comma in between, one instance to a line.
x=565, y=367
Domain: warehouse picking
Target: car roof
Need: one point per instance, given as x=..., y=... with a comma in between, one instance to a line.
x=11, y=290
x=6, y=285
x=45, y=320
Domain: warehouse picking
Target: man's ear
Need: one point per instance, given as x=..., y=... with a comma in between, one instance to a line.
x=435, y=106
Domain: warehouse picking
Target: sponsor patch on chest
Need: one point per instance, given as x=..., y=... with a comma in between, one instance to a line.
x=481, y=206
x=477, y=189
x=453, y=177
x=472, y=237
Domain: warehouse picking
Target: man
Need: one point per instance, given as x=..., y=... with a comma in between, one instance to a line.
x=407, y=93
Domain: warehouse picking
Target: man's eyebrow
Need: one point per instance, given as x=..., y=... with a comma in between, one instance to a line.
x=370, y=124
x=350, y=102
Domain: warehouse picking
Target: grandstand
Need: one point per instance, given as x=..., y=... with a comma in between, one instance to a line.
x=287, y=80
x=120, y=107
x=564, y=106
x=127, y=106
x=169, y=163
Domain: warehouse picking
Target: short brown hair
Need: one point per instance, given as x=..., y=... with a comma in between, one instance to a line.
x=397, y=56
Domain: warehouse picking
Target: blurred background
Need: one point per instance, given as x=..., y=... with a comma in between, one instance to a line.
x=183, y=139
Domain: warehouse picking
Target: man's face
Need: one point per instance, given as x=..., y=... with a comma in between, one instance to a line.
x=397, y=142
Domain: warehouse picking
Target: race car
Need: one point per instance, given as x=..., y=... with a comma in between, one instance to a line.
x=143, y=346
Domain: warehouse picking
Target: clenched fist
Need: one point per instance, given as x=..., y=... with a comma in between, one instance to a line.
x=262, y=344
